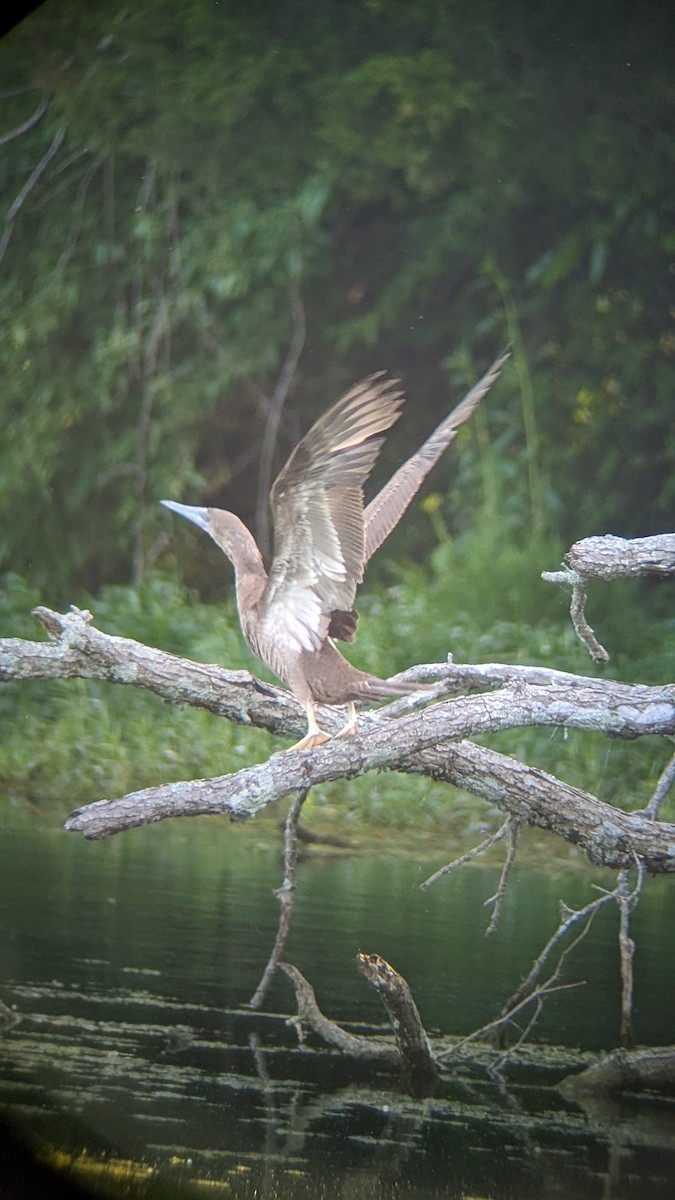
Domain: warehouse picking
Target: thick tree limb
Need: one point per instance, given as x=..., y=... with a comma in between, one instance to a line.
x=310, y=1015
x=611, y=557
x=609, y=836
x=79, y=651
x=413, y=1044
x=431, y=742
x=627, y=1071
x=412, y=1052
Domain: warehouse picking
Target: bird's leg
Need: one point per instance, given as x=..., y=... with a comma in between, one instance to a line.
x=350, y=727
x=314, y=736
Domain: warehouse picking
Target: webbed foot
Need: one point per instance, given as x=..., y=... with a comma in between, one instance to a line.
x=311, y=740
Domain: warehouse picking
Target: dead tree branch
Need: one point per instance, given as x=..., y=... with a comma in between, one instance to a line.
x=31, y=121
x=310, y=1016
x=608, y=558
x=412, y=1052
x=626, y=902
x=530, y=993
x=411, y=1037
x=286, y=897
x=611, y=557
x=569, y=919
x=512, y=833
x=470, y=855
x=666, y=780
x=650, y=1070
x=35, y=174
x=431, y=742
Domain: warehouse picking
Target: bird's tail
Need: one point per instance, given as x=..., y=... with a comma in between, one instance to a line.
x=372, y=688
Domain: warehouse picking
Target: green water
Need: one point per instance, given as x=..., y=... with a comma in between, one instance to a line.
x=130, y=963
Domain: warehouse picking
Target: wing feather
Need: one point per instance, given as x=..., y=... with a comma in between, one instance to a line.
x=317, y=505
x=386, y=509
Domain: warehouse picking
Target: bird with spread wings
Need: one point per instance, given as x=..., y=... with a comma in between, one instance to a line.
x=323, y=538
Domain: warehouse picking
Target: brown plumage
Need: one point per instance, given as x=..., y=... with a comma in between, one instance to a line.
x=323, y=538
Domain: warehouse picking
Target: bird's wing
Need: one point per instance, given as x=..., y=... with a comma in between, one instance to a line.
x=317, y=505
x=386, y=509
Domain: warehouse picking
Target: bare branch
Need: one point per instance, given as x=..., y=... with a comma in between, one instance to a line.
x=535, y=997
x=609, y=558
x=475, y=852
x=411, y=1036
x=13, y=210
x=651, y=1070
x=626, y=901
x=569, y=578
x=309, y=1014
x=569, y=918
x=286, y=897
x=31, y=122
x=663, y=786
x=497, y=900
x=78, y=206
x=430, y=742
x=532, y=993
x=581, y=626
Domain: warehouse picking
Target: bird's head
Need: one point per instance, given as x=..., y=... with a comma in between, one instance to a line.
x=227, y=531
x=198, y=516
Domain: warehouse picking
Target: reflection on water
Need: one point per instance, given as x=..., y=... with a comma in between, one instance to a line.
x=130, y=961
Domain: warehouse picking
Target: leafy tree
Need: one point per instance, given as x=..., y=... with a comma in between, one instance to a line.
x=189, y=187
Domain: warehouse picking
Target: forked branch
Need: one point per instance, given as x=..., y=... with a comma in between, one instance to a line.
x=429, y=742
x=608, y=558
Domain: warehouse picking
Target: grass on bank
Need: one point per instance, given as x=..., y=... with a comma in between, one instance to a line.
x=67, y=742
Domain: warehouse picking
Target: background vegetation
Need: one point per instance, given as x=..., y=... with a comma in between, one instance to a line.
x=195, y=192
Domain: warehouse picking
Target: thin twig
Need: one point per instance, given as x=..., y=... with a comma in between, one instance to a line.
x=571, y=917
x=531, y=992
x=497, y=900
x=78, y=205
x=626, y=901
x=581, y=626
x=27, y=187
x=31, y=122
x=666, y=780
x=469, y=856
x=588, y=912
x=285, y=895
x=568, y=577
x=546, y=989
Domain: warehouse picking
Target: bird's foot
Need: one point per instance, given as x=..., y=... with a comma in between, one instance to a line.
x=311, y=740
x=350, y=727
x=348, y=730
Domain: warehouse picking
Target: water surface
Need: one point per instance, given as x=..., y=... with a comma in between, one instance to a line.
x=130, y=963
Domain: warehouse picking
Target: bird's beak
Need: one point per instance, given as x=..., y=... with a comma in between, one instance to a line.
x=199, y=516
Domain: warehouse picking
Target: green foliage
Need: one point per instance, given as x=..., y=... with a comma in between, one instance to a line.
x=431, y=178
x=73, y=741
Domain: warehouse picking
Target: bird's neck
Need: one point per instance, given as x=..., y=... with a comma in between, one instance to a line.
x=240, y=546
